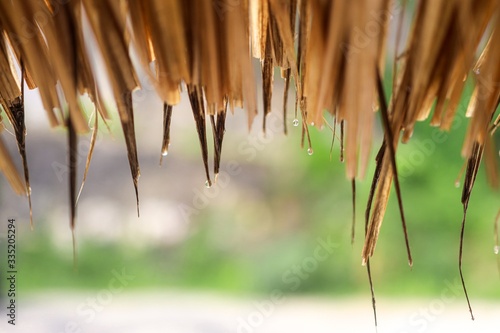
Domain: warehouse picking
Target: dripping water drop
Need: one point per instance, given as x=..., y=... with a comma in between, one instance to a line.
x=457, y=184
x=310, y=151
x=208, y=184
x=295, y=122
x=496, y=249
x=164, y=153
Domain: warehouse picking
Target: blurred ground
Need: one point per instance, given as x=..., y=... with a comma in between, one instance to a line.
x=160, y=311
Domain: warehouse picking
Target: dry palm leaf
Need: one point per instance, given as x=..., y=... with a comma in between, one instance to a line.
x=167, y=118
x=196, y=99
x=31, y=47
x=12, y=101
x=440, y=54
x=107, y=19
x=9, y=170
x=89, y=154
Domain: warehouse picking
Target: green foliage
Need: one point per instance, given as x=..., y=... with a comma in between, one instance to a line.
x=250, y=246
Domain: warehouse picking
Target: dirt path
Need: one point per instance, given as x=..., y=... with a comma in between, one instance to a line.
x=110, y=311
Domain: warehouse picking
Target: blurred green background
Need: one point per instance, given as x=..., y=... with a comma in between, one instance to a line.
x=265, y=220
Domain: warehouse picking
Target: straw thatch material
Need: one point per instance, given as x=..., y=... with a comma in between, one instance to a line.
x=207, y=46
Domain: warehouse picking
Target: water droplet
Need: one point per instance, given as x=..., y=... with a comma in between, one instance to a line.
x=496, y=249
x=208, y=184
x=310, y=151
x=457, y=184
x=312, y=123
x=164, y=153
x=295, y=122
x=477, y=71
